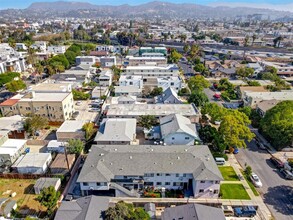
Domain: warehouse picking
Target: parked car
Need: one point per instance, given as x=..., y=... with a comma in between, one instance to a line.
x=75, y=114
x=246, y=211
x=277, y=162
x=220, y=160
x=236, y=150
x=287, y=174
x=255, y=180
x=228, y=210
x=78, y=103
x=260, y=145
x=94, y=109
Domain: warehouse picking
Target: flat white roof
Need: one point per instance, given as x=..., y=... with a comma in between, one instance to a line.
x=46, y=97
x=11, y=146
x=71, y=126
x=32, y=160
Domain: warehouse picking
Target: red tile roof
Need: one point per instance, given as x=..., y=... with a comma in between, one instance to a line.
x=9, y=102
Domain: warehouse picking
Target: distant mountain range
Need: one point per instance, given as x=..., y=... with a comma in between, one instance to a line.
x=149, y=10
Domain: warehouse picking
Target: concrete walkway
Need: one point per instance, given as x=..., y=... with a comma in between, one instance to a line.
x=263, y=210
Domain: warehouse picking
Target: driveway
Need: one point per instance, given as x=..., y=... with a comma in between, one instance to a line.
x=276, y=192
x=210, y=94
x=84, y=113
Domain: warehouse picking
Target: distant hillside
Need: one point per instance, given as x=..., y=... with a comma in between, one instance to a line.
x=158, y=9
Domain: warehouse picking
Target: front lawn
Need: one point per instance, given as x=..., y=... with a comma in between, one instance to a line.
x=233, y=191
x=228, y=173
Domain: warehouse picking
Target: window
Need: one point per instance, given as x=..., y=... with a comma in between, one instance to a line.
x=98, y=184
x=167, y=183
x=184, y=175
x=159, y=183
x=168, y=174
x=201, y=191
x=27, y=108
x=216, y=191
x=159, y=174
x=186, y=138
x=202, y=181
x=172, y=84
x=177, y=174
x=217, y=182
x=85, y=184
x=173, y=138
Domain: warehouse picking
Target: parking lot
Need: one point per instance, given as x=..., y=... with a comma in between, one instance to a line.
x=84, y=113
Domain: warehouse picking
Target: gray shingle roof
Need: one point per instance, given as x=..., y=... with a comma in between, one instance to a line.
x=168, y=94
x=176, y=123
x=104, y=162
x=85, y=208
x=193, y=212
x=117, y=130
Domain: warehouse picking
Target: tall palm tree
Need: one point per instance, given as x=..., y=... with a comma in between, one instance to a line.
x=253, y=38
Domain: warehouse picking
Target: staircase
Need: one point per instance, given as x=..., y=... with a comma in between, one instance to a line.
x=124, y=190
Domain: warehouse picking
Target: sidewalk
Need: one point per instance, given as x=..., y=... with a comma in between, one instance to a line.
x=262, y=208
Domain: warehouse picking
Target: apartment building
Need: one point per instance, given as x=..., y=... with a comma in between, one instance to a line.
x=112, y=49
x=105, y=78
x=56, y=49
x=170, y=82
x=12, y=63
x=54, y=106
x=107, y=62
x=85, y=60
x=158, y=110
x=162, y=50
x=151, y=73
x=128, y=170
x=136, y=61
x=136, y=81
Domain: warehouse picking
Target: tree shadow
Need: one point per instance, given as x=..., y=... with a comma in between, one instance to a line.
x=29, y=189
x=281, y=198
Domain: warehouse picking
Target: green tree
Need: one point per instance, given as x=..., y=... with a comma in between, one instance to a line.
x=277, y=125
x=248, y=171
x=89, y=129
x=80, y=95
x=200, y=68
x=244, y=72
x=156, y=91
x=253, y=83
x=70, y=56
x=49, y=198
x=60, y=59
x=125, y=211
x=35, y=123
x=147, y=121
x=246, y=110
x=214, y=111
x=198, y=83
x=174, y=56
x=210, y=136
x=199, y=98
x=15, y=85
x=186, y=48
x=234, y=129
x=75, y=146
x=8, y=77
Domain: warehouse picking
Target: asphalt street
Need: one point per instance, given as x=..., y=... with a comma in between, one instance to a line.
x=276, y=192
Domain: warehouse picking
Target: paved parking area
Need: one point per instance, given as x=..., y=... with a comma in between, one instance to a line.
x=84, y=113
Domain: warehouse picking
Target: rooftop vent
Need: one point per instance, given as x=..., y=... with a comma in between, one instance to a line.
x=115, y=149
x=130, y=157
x=178, y=158
x=101, y=154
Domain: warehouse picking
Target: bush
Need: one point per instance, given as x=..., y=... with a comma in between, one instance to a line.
x=7, y=77
x=79, y=95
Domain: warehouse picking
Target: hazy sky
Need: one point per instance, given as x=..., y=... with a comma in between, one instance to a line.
x=26, y=3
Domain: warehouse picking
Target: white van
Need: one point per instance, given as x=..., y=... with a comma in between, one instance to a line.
x=220, y=160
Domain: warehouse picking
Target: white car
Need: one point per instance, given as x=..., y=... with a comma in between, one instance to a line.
x=255, y=180
x=78, y=103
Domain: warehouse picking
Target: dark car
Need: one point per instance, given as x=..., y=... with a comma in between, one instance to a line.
x=287, y=174
x=246, y=211
x=236, y=150
x=277, y=162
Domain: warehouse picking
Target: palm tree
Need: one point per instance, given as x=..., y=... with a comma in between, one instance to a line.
x=253, y=38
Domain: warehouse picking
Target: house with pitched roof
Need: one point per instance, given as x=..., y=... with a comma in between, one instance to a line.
x=169, y=96
x=117, y=131
x=178, y=130
x=126, y=170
